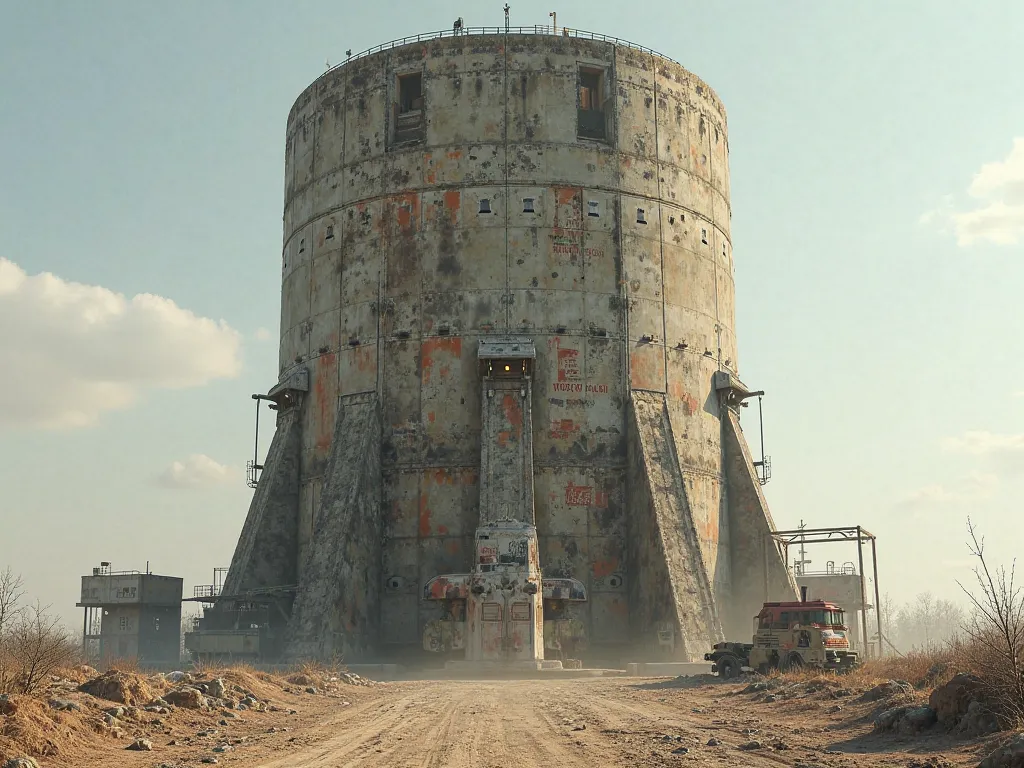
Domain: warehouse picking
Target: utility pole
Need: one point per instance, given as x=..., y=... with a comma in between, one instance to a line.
x=803, y=561
x=554, y=21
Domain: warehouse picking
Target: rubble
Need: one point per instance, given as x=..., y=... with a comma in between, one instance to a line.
x=1009, y=755
x=123, y=687
x=961, y=706
x=888, y=690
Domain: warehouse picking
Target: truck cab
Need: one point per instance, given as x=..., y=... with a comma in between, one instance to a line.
x=788, y=636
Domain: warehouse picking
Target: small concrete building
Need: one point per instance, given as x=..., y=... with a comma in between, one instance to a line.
x=131, y=615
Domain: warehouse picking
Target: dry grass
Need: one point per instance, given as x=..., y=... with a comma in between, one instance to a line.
x=316, y=672
x=921, y=670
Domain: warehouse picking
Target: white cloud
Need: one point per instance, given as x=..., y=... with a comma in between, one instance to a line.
x=71, y=351
x=262, y=334
x=197, y=471
x=997, y=214
x=981, y=443
x=1004, y=452
x=969, y=488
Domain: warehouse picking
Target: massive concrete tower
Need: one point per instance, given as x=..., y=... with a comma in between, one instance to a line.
x=571, y=194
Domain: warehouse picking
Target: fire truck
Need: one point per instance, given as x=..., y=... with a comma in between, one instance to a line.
x=809, y=633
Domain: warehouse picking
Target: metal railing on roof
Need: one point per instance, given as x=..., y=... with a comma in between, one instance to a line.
x=537, y=29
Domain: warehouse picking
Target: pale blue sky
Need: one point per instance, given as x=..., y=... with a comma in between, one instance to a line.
x=141, y=150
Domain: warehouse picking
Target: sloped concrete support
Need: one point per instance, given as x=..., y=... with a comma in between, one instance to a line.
x=669, y=587
x=336, y=610
x=265, y=555
x=756, y=560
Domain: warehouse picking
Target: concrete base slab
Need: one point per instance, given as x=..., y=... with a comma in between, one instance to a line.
x=502, y=666
x=668, y=669
x=376, y=671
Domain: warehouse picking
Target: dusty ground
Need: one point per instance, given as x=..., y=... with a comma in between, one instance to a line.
x=579, y=722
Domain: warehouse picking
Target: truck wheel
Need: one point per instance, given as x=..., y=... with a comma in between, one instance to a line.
x=793, y=661
x=729, y=667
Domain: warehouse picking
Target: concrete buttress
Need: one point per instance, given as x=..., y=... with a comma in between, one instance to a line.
x=266, y=553
x=669, y=586
x=335, y=610
x=759, y=573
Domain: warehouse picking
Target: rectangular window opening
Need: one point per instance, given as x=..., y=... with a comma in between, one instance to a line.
x=410, y=93
x=485, y=205
x=640, y=216
x=330, y=231
x=592, y=209
x=590, y=123
x=528, y=205
x=704, y=236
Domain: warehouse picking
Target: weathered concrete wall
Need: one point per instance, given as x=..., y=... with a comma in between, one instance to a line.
x=265, y=555
x=668, y=576
x=613, y=255
x=336, y=610
x=755, y=558
x=506, y=444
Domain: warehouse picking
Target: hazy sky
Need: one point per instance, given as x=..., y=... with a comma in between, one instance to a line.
x=877, y=158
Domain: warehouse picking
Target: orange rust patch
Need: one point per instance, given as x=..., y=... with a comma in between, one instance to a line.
x=618, y=607
x=452, y=546
x=604, y=568
x=424, y=517
x=366, y=358
x=513, y=413
x=450, y=345
x=565, y=195
x=442, y=529
x=452, y=203
x=430, y=417
x=443, y=477
x=503, y=438
x=456, y=155
x=326, y=389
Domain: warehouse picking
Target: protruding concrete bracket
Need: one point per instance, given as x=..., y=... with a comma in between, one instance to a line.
x=732, y=391
x=507, y=348
x=288, y=393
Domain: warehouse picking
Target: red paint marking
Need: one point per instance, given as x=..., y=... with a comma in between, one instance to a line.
x=568, y=364
x=579, y=495
x=565, y=195
x=430, y=417
x=442, y=529
x=604, y=568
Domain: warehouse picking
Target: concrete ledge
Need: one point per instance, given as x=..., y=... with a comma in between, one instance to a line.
x=668, y=669
x=500, y=666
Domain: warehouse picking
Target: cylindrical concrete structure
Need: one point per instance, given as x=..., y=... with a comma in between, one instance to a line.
x=573, y=191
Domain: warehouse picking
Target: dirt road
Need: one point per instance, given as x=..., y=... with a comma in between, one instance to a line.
x=588, y=722
x=611, y=721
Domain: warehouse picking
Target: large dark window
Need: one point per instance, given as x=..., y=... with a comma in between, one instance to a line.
x=410, y=93
x=591, y=122
x=409, y=122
